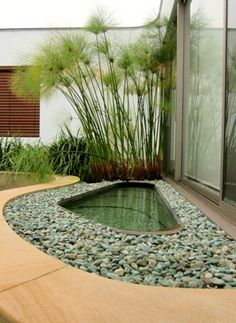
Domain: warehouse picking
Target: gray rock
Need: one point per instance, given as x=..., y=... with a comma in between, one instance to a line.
x=131, y=259
x=217, y=281
x=152, y=263
x=187, y=279
x=149, y=280
x=120, y=272
x=152, y=256
x=224, y=249
x=179, y=274
x=142, y=262
x=134, y=265
x=79, y=244
x=227, y=278
x=113, y=276
x=46, y=244
x=164, y=282
x=127, y=269
x=197, y=265
x=125, y=252
x=160, y=266
x=193, y=284
x=183, y=264
x=207, y=277
x=144, y=270
x=115, y=250
x=70, y=256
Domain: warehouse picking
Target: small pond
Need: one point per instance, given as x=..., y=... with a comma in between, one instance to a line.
x=125, y=206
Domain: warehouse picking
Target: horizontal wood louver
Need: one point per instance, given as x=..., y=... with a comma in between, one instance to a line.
x=18, y=117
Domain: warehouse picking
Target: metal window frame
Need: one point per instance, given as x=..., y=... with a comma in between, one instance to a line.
x=180, y=89
x=228, y=209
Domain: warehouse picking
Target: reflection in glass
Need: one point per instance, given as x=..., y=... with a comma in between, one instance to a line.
x=202, y=119
x=170, y=100
x=230, y=131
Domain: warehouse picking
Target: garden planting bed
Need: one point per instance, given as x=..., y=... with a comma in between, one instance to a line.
x=199, y=256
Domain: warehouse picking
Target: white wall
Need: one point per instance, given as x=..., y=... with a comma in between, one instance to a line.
x=17, y=44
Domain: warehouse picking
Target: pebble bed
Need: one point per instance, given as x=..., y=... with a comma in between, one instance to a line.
x=199, y=256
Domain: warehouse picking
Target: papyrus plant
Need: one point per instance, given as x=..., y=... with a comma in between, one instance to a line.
x=114, y=90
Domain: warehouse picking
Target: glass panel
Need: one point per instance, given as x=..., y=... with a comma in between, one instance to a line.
x=170, y=104
x=170, y=137
x=166, y=8
x=202, y=115
x=230, y=133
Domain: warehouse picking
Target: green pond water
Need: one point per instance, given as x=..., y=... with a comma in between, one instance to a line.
x=129, y=208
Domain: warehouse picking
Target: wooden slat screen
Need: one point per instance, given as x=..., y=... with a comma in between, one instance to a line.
x=17, y=117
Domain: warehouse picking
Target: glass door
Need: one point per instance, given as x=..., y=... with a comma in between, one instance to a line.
x=230, y=115
x=203, y=97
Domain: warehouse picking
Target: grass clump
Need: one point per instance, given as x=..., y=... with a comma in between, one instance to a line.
x=9, y=148
x=68, y=155
x=33, y=159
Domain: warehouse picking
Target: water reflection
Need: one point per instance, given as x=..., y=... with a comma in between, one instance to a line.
x=130, y=208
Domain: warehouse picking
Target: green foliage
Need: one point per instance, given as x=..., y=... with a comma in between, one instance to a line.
x=15, y=157
x=68, y=155
x=26, y=82
x=115, y=94
x=33, y=159
x=9, y=147
x=99, y=22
